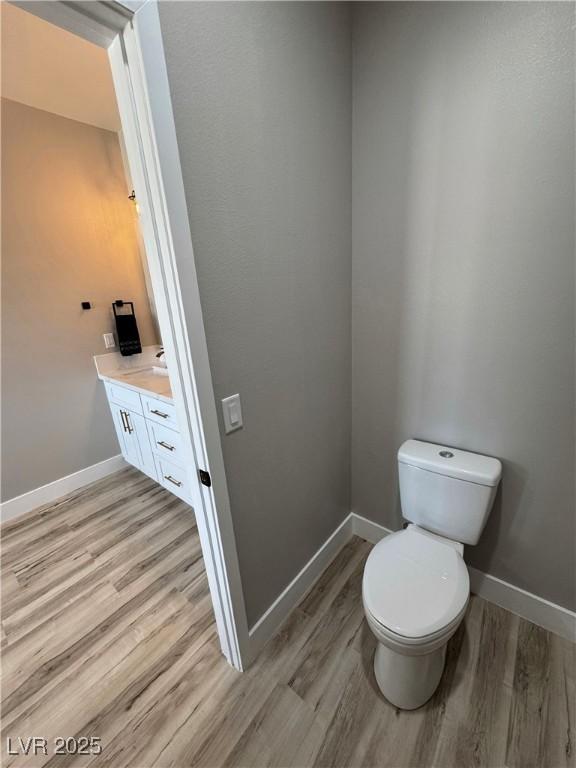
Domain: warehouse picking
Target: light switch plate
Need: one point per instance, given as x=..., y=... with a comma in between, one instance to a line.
x=109, y=342
x=232, y=412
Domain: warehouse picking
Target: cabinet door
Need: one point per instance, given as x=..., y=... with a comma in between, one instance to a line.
x=139, y=432
x=126, y=435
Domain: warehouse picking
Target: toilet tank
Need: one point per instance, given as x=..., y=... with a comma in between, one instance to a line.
x=447, y=491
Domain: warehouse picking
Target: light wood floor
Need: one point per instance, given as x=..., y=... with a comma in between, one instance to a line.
x=107, y=631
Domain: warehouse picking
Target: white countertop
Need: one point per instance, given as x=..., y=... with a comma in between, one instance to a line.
x=136, y=372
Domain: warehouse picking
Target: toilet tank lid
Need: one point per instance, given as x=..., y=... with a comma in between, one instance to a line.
x=452, y=462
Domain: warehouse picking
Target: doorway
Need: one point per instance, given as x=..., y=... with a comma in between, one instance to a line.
x=130, y=34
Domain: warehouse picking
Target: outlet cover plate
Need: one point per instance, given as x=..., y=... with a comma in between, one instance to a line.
x=109, y=342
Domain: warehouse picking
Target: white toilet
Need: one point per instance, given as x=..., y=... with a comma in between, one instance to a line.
x=416, y=587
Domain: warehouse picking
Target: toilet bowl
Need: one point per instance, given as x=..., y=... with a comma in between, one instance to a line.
x=415, y=592
x=416, y=587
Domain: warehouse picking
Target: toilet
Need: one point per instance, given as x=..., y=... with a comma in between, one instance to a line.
x=415, y=587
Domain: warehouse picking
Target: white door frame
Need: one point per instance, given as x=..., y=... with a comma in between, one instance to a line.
x=131, y=32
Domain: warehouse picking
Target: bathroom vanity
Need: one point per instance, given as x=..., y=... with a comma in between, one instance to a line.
x=140, y=400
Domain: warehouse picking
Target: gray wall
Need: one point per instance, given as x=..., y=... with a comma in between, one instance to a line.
x=261, y=95
x=463, y=264
x=68, y=234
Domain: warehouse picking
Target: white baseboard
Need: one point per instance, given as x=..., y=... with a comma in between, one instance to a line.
x=367, y=529
x=536, y=609
x=267, y=626
x=525, y=604
x=52, y=491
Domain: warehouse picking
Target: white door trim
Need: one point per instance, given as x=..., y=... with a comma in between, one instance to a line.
x=131, y=32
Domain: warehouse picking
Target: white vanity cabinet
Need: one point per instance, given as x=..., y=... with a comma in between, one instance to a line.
x=148, y=434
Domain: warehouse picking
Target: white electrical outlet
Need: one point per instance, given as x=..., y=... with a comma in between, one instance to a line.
x=109, y=342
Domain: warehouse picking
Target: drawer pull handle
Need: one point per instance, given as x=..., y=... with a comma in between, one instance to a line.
x=165, y=445
x=171, y=479
x=159, y=413
x=126, y=422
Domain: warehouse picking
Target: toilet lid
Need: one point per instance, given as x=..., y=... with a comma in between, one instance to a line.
x=414, y=584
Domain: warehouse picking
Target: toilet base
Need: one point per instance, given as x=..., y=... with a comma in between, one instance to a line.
x=407, y=681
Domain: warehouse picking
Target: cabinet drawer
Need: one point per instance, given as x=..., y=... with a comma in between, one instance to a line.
x=124, y=396
x=165, y=442
x=173, y=478
x=159, y=411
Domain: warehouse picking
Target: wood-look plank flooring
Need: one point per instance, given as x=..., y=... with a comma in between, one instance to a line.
x=107, y=630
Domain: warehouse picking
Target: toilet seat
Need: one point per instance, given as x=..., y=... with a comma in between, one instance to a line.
x=415, y=587
x=413, y=646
